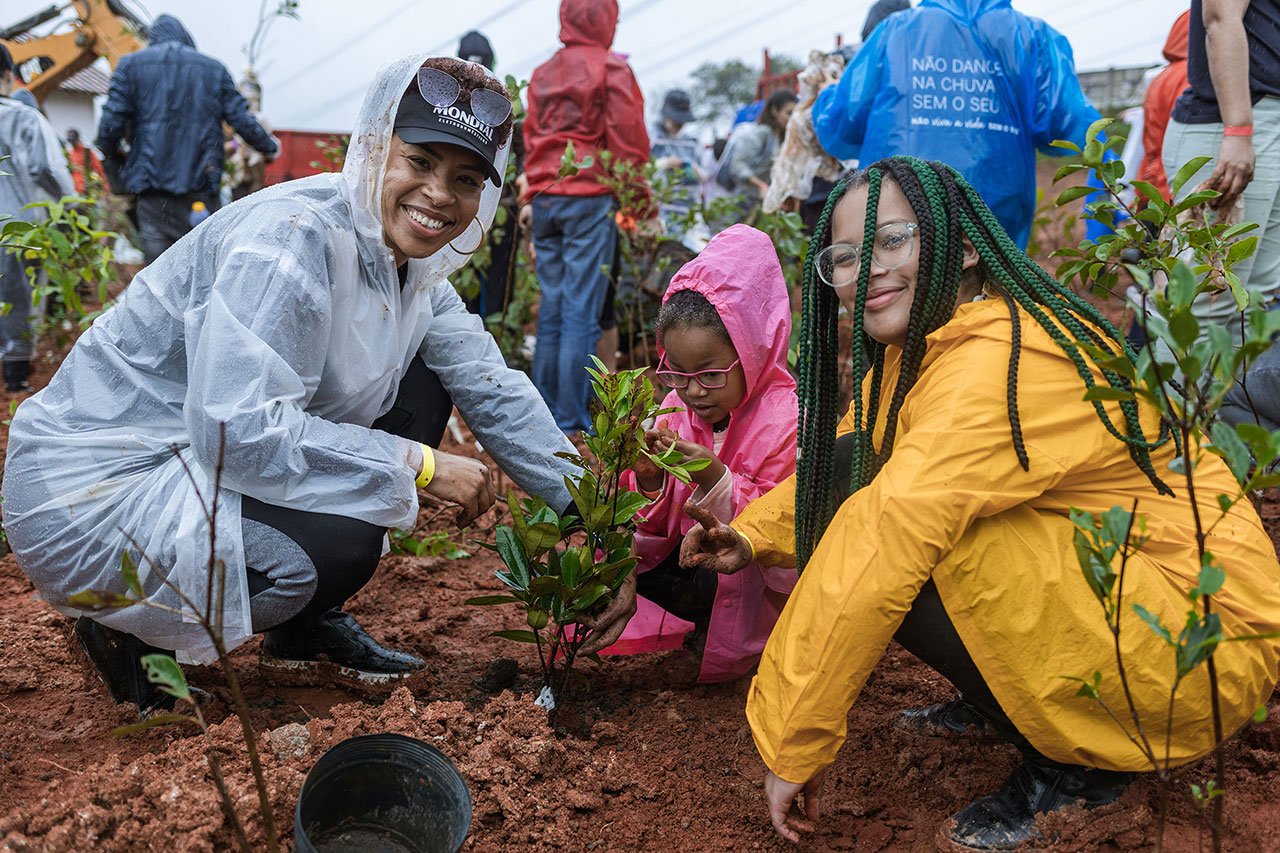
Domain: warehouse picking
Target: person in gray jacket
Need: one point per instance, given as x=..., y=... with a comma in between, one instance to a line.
x=284, y=362
x=37, y=171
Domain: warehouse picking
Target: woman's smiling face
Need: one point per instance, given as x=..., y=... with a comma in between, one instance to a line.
x=430, y=195
x=889, y=292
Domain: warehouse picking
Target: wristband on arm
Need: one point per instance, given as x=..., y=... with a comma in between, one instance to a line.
x=428, y=467
x=1238, y=130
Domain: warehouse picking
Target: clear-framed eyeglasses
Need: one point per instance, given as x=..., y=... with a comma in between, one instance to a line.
x=441, y=89
x=894, y=245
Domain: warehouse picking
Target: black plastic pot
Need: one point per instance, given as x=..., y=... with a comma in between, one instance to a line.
x=382, y=794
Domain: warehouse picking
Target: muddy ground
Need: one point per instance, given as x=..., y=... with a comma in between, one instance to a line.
x=649, y=760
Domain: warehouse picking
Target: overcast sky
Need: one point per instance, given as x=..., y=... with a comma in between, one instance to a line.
x=315, y=70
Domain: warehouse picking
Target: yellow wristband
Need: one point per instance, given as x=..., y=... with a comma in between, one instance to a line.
x=746, y=539
x=428, y=467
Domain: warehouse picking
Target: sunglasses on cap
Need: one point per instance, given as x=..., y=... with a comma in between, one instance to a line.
x=441, y=89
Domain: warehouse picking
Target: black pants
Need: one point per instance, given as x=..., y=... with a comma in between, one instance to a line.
x=495, y=281
x=163, y=219
x=686, y=593
x=322, y=560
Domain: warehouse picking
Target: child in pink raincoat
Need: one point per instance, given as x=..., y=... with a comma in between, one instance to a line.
x=723, y=332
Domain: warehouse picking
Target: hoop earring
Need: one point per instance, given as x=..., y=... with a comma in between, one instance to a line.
x=483, y=237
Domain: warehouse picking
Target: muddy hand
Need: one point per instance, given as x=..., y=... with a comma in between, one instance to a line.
x=712, y=545
x=609, y=625
x=464, y=481
x=784, y=808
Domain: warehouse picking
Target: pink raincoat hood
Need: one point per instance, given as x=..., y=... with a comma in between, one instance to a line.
x=739, y=274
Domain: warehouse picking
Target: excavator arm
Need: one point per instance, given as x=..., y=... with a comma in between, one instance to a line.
x=101, y=28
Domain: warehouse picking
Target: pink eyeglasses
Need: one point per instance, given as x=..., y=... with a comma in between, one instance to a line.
x=717, y=377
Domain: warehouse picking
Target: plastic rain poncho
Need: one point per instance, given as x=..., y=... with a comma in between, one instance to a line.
x=37, y=171
x=973, y=83
x=281, y=317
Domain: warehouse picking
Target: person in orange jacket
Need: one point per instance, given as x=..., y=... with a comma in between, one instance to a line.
x=941, y=518
x=83, y=162
x=1157, y=105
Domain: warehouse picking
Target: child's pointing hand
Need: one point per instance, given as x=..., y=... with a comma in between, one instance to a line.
x=713, y=545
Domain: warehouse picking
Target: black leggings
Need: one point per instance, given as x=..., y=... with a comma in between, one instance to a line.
x=302, y=564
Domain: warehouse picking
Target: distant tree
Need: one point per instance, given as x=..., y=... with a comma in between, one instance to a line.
x=719, y=89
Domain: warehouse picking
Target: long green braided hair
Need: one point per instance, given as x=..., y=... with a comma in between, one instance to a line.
x=948, y=210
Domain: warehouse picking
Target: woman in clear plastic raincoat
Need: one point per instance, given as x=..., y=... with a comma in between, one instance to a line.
x=32, y=169
x=940, y=518
x=296, y=344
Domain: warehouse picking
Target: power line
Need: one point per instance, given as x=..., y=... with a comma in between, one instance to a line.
x=346, y=45
x=338, y=99
x=715, y=37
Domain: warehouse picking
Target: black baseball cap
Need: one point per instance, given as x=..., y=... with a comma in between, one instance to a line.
x=419, y=123
x=475, y=47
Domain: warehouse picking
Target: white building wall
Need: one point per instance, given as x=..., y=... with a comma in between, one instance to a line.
x=66, y=110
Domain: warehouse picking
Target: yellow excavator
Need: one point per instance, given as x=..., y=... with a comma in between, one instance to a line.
x=97, y=28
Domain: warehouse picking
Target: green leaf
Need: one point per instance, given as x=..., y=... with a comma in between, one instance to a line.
x=1227, y=444
x=1186, y=172
x=99, y=599
x=1197, y=641
x=164, y=672
x=515, y=636
x=486, y=600
x=1182, y=286
x=1260, y=715
x=1065, y=144
x=1071, y=194
x=541, y=537
x=1185, y=328
x=1155, y=624
x=130, y=572
x=1106, y=392
x=1212, y=577
x=152, y=722
x=512, y=554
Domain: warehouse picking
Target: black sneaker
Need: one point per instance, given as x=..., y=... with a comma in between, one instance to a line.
x=946, y=719
x=117, y=657
x=334, y=650
x=1006, y=820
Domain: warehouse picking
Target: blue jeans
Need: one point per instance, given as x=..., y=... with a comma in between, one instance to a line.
x=574, y=237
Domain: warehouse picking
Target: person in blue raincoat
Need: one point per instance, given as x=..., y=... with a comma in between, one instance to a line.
x=972, y=83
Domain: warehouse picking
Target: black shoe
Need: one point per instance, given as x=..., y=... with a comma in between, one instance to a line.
x=946, y=719
x=1006, y=819
x=334, y=649
x=117, y=657
x=19, y=388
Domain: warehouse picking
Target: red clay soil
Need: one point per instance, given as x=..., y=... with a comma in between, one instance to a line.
x=652, y=761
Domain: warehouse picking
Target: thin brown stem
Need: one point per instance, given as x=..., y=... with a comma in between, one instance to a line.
x=1219, y=757
x=220, y=782
x=1147, y=750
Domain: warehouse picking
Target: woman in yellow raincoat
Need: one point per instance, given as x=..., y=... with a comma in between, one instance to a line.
x=964, y=453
